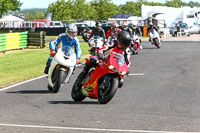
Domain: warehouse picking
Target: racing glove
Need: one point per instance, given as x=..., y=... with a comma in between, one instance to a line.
x=53, y=52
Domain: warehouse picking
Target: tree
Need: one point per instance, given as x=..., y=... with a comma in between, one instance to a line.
x=134, y=8
x=9, y=5
x=32, y=14
x=83, y=11
x=61, y=10
x=175, y=3
x=105, y=9
x=193, y=4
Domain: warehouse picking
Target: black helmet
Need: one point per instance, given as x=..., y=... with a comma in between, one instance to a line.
x=124, y=38
x=98, y=24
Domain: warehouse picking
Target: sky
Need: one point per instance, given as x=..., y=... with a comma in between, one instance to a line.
x=45, y=3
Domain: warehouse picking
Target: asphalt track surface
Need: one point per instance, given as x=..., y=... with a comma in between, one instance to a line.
x=162, y=94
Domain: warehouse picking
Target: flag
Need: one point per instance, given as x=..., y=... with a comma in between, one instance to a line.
x=49, y=16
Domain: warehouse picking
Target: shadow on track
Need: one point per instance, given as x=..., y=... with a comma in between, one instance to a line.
x=72, y=102
x=30, y=92
x=150, y=48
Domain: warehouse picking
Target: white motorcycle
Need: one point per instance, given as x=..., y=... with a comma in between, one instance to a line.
x=61, y=68
x=155, y=38
x=95, y=43
x=135, y=44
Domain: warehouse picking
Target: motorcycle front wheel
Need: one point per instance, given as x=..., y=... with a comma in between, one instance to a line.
x=105, y=95
x=156, y=42
x=76, y=93
x=59, y=80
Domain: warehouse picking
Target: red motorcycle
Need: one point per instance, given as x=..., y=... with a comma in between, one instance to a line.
x=101, y=82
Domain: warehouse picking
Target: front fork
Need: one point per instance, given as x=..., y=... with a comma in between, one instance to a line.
x=68, y=71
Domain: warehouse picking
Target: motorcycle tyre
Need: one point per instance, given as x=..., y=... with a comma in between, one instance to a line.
x=59, y=81
x=77, y=96
x=113, y=89
x=49, y=88
x=156, y=42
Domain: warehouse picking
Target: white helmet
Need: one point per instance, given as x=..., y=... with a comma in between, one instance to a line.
x=72, y=30
x=125, y=25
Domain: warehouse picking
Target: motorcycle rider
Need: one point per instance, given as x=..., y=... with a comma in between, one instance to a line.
x=84, y=29
x=113, y=31
x=67, y=39
x=126, y=28
x=98, y=31
x=136, y=31
x=121, y=46
x=150, y=29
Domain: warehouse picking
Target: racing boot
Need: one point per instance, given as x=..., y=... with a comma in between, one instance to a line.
x=46, y=68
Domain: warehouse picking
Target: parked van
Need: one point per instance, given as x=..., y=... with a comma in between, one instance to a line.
x=56, y=24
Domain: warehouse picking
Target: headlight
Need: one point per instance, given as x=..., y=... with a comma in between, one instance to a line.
x=112, y=68
x=122, y=73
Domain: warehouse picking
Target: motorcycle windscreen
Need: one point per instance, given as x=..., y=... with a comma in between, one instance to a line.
x=119, y=58
x=68, y=50
x=98, y=41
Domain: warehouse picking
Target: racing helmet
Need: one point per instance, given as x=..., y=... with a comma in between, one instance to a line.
x=124, y=25
x=114, y=26
x=72, y=30
x=134, y=26
x=124, y=39
x=98, y=24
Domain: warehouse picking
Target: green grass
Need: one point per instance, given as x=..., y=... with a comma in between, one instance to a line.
x=17, y=66
x=22, y=65
x=145, y=38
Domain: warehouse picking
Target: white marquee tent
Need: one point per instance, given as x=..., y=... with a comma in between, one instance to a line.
x=11, y=21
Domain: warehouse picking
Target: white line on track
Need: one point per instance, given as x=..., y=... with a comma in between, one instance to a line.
x=22, y=83
x=87, y=129
x=136, y=74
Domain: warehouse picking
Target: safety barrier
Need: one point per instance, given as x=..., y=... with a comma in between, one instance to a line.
x=36, y=38
x=11, y=41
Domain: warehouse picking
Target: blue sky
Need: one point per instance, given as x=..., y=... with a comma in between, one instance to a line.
x=45, y=3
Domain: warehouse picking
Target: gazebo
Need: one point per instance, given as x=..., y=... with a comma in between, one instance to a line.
x=11, y=21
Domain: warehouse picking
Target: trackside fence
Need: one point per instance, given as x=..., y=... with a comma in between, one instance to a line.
x=10, y=41
x=20, y=40
x=36, y=38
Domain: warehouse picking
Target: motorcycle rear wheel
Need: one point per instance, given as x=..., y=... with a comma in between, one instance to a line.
x=76, y=93
x=107, y=96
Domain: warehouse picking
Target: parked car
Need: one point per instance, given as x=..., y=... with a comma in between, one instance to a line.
x=80, y=24
x=184, y=29
x=194, y=29
x=106, y=24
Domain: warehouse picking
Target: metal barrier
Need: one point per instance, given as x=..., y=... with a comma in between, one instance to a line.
x=11, y=41
x=52, y=31
x=36, y=39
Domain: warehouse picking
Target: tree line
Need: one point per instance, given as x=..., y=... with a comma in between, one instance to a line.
x=82, y=10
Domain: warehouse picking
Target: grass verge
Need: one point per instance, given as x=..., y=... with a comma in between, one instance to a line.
x=17, y=66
